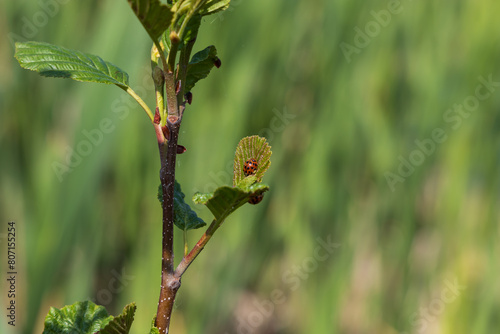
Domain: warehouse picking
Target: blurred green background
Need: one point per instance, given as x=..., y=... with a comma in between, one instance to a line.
x=416, y=254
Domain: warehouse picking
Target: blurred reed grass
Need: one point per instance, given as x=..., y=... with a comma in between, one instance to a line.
x=348, y=124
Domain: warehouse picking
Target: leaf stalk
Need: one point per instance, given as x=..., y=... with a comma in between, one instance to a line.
x=141, y=102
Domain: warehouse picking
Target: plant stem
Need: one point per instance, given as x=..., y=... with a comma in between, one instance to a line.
x=172, y=55
x=159, y=81
x=183, y=65
x=189, y=258
x=168, y=154
x=169, y=282
x=141, y=102
x=186, y=249
x=160, y=103
x=172, y=106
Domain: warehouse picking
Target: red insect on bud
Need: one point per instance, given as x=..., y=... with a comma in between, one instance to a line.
x=189, y=97
x=256, y=199
x=217, y=62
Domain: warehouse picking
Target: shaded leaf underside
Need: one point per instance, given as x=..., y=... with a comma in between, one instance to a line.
x=154, y=16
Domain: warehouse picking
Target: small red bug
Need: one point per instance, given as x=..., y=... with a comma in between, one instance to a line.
x=255, y=199
x=250, y=167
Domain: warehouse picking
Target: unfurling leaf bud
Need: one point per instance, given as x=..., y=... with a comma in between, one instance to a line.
x=174, y=37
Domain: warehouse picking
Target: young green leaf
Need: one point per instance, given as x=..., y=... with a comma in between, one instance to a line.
x=191, y=29
x=55, y=61
x=81, y=317
x=184, y=217
x=200, y=65
x=154, y=16
x=253, y=147
x=214, y=6
x=225, y=200
x=121, y=324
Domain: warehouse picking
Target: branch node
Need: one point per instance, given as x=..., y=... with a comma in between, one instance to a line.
x=174, y=284
x=172, y=119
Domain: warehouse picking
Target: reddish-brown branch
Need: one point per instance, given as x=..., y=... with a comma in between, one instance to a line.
x=168, y=154
x=189, y=258
x=169, y=283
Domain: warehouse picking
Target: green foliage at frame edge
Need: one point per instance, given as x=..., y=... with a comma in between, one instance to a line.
x=56, y=61
x=88, y=318
x=156, y=17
